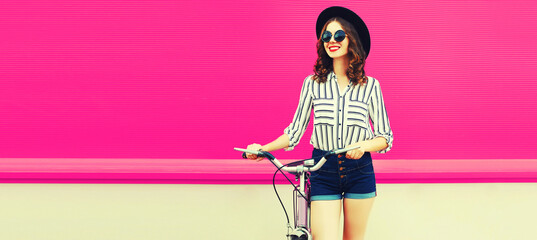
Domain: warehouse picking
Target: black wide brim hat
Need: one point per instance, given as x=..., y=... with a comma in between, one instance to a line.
x=352, y=18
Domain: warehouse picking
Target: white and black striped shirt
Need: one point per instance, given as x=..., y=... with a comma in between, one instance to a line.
x=340, y=119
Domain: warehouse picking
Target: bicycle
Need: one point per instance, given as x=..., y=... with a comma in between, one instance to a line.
x=301, y=193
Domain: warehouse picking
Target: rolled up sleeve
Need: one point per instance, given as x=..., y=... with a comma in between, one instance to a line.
x=379, y=117
x=298, y=126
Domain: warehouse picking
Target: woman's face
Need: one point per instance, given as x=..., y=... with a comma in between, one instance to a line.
x=336, y=49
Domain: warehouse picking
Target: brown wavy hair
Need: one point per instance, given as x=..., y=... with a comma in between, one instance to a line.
x=355, y=71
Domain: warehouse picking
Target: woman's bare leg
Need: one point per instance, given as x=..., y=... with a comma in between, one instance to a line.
x=325, y=217
x=356, y=214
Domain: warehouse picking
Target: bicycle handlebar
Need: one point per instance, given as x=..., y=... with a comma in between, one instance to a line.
x=300, y=168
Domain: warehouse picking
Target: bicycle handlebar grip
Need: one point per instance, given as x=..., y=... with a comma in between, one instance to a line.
x=245, y=157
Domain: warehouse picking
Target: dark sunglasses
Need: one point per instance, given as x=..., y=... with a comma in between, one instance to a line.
x=338, y=36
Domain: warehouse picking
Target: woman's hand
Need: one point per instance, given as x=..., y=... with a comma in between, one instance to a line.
x=355, y=153
x=254, y=147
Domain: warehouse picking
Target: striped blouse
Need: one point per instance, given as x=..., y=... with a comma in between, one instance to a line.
x=340, y=119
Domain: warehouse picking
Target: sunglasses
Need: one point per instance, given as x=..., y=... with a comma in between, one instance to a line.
x=338, y=36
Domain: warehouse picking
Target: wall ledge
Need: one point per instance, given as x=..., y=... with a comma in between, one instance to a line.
x=232, y=171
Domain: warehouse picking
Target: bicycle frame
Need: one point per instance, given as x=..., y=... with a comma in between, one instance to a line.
x=301, y=206
x=301, y=209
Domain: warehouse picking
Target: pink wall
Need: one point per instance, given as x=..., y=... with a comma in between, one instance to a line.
x=193, y=79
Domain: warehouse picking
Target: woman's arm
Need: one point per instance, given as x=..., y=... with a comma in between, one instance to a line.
x=379, y=118
x=279, y=143
x=373, y=145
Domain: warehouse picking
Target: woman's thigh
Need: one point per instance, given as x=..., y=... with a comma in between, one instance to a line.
x=356, y=214
x=325, y=217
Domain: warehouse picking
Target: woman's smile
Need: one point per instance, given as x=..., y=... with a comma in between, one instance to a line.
x=333, y=48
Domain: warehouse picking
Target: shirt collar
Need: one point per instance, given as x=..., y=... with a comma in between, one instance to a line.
x=332, y=76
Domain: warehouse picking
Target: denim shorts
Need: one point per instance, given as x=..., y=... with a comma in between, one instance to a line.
x=341, y=177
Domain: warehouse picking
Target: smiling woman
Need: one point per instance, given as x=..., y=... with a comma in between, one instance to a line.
x=344, y=100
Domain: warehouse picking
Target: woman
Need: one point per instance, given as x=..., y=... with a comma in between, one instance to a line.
x=344, y=99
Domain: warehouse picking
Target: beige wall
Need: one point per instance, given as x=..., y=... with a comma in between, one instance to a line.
x=125, y=211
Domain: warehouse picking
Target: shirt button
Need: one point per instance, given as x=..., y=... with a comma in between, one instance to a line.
x=342, y=176
x=341, y=169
